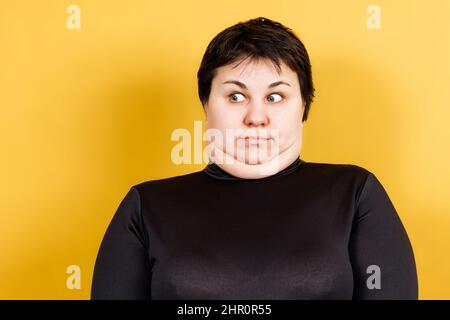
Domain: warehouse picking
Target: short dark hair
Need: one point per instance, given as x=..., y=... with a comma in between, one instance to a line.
x=257, y=38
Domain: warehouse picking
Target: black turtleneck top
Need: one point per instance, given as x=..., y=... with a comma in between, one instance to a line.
x=310, y=231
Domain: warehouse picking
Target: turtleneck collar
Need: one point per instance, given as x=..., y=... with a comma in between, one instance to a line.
x=217, y=172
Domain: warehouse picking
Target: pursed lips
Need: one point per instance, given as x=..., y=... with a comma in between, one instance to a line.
x=255, y=139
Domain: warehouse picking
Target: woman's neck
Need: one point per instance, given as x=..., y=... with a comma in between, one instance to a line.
x=215, y=171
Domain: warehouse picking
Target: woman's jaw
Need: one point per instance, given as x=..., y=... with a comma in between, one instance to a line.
x=245, y=168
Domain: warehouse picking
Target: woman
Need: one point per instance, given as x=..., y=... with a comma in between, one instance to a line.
x=257, y=222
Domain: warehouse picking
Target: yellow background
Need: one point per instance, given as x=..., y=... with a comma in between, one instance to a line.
x=87, y=113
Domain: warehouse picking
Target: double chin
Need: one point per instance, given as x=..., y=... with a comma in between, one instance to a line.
x=255, y=168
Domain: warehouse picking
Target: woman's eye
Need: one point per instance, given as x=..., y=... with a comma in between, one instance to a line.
x=236, y=97
x=275, y=97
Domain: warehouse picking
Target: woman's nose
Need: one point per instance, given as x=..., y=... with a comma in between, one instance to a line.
x=256, y=115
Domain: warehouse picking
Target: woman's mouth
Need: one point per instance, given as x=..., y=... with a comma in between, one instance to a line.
x=255, y=140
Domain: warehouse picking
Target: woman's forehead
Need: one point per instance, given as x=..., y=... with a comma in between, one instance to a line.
x=257, y=71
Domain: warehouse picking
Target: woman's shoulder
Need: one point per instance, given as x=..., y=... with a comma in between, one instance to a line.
x=336, y=170
x=186, y=179
x=336, y=167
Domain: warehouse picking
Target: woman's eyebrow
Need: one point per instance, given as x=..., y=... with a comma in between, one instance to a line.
x=243, y=86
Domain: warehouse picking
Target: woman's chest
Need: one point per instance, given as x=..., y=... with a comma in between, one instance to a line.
x=233, y=261
x=251, y=248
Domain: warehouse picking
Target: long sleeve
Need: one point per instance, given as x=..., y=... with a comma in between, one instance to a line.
x=122, y=269
x=380, y=251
